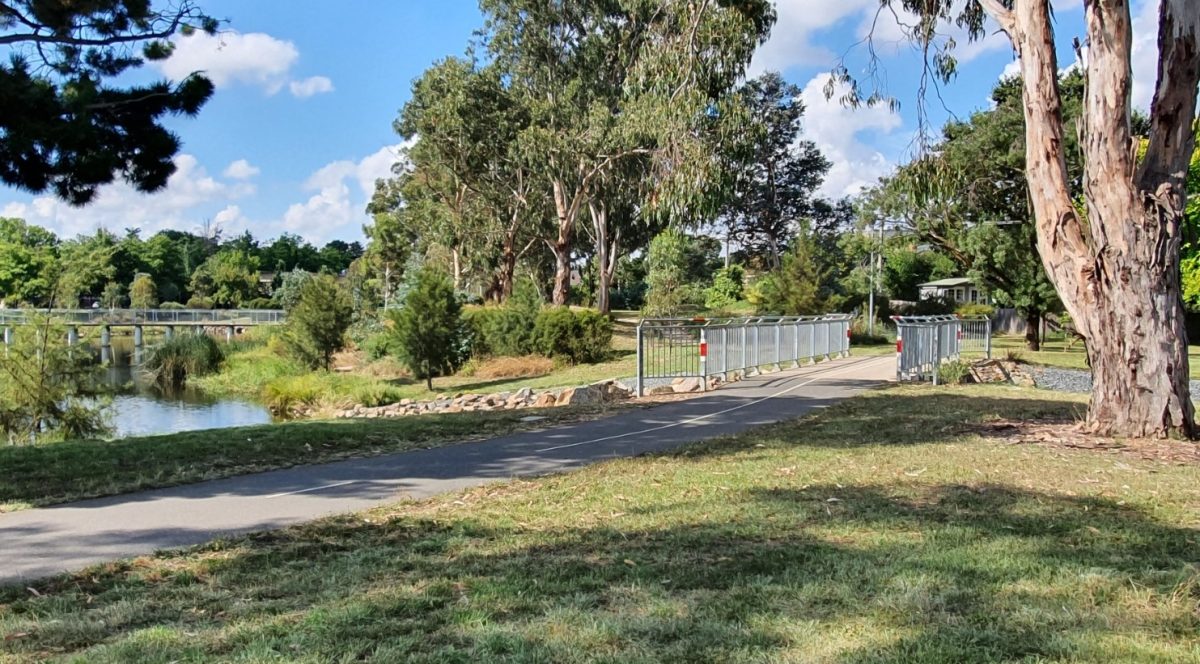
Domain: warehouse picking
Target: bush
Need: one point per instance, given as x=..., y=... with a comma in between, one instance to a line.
x=726, y=288
x=582, y=338
x=954, y=372
x=316, y=326
x=507, y=330
x=975, y=309
x=257, y=303
x=180, y=357
x=934, y=306
x=428, y=330
x=199, y=302
x=171, y=306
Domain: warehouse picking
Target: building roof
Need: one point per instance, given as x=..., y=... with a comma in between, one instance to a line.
x=947, y=283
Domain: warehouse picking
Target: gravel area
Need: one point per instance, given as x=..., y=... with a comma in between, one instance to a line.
x=1076, y=380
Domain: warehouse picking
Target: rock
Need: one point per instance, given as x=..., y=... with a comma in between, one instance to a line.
x=406, y=402
x=662, y=389
x=524, y=393
x=677, y=381
x=578, y=396
x=687, y=385
x=453, y=409
x=545, y=400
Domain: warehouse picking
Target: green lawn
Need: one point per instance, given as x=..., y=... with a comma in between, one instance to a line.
x=1055, y=353
x=61, y=472
x=880, y=530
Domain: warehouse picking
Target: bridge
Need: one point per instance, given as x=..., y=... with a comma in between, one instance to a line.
x=228, y=319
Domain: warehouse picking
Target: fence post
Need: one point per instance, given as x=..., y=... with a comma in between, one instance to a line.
x=937, y=350
x=899, y=351
x=640, y=369
x=795, y=344
x=778, y=328
x=988, y=336
x=703, y=360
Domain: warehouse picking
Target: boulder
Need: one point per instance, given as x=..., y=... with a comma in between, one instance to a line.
x=545, y=400
x=687, y=385
x=661, y=389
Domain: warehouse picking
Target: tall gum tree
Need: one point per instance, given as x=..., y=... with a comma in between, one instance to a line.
x=1116, y=262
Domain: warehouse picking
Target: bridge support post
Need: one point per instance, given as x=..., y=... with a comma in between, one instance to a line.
x=170, y=332
x=229, y=331
x=137, y=336
x=72, y=335
x=8, y=336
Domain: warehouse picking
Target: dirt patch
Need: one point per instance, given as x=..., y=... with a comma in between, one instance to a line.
x=1068, y=434
x=514, y=367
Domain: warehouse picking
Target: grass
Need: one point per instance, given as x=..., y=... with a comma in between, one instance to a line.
x=879, y=530
x=61, y=472
x=258, y=369
x=1055, y=353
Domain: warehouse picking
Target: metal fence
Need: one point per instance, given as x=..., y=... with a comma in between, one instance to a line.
x=240, y=317
x=923, y=343
x=669, y=348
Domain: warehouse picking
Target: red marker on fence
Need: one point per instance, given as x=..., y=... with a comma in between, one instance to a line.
x=703, y=349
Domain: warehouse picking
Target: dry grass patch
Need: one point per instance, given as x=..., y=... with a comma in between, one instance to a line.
x=529, y=366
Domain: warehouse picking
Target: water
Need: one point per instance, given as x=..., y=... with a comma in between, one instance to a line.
x=140, y=409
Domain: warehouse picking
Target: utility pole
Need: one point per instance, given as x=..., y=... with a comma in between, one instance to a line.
x=871, y=295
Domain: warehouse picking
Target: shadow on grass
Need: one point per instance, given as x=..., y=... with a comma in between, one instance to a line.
x=936, y=573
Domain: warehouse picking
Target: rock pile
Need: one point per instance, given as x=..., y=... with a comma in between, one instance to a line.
x=602, y=392
x=1000, y=371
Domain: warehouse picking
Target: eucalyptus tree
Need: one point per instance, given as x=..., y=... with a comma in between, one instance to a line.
x=64, y=125
x=773, y=172
x=609, y=80
x=1115, y=258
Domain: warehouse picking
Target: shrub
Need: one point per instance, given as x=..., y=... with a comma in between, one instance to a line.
x=429, y=329
x=507, y=330
x=316, y=326
x=583, y=337
x=934, y=306
x=143, y=294
x=954, y=372
x=726, y=288
x=1014, y=355
x=975, y=309
x=178, y=358
x=171, y=306
x=669, y=293
x=199, y=302
x=258, y=303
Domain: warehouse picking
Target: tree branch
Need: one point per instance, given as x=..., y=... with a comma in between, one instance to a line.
x=1003, y=15
x=1174, y=107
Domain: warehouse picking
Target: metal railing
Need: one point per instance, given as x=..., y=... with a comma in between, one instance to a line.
x=923, y=343
x=238, y=317
x=670, y=348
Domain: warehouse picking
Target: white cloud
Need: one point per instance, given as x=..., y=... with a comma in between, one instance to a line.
x=338, y=204
x=838, y=130
x=119, y=206
x=1011, y=69
x=1145, y=54
x=241, y=170
x=798, y=21
x=313, y=85
x=233, y=58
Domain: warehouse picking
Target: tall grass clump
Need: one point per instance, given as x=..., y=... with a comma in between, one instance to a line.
x=182, y=357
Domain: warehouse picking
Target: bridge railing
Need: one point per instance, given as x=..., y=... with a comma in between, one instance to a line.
x=670, y=348
x=238, y=317
x=923, y=343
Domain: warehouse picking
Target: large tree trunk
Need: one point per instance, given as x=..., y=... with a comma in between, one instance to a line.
x=607, y=243
x=1033, y=327
x=561, y=246
x=1117, y=271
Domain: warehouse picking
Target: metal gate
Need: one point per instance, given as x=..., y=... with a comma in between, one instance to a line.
x=925, y=342
x=670, y=348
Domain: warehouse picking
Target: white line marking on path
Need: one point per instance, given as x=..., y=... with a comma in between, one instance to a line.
x=311, y=489
x=720, y=412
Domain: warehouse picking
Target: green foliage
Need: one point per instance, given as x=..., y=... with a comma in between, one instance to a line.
x=199, y=302
x=428, y=329
x=954, y=372
x=581, y=337
x=181, y=357
x=906, y=268
x=171, y=306
x=77, y=130
x=113, y=296
x=726, y=289
x=317, y=324
x=975, y=309
x=507, y=330
x=27, y=257
x=801, y=286
x=669, y=291
x=227, y=278
x=143, y=294
x=288, y=293
x=48, y=388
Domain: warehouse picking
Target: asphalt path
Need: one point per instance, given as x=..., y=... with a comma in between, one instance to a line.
x=41, y=542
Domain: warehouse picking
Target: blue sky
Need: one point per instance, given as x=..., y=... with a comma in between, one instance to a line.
x=301, y=123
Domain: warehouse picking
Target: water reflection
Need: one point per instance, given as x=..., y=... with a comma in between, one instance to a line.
x=141, y=409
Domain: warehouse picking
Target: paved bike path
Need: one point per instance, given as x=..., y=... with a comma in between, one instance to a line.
x=46, y=541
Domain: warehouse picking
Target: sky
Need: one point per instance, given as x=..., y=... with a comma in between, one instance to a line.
x=300, y=126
